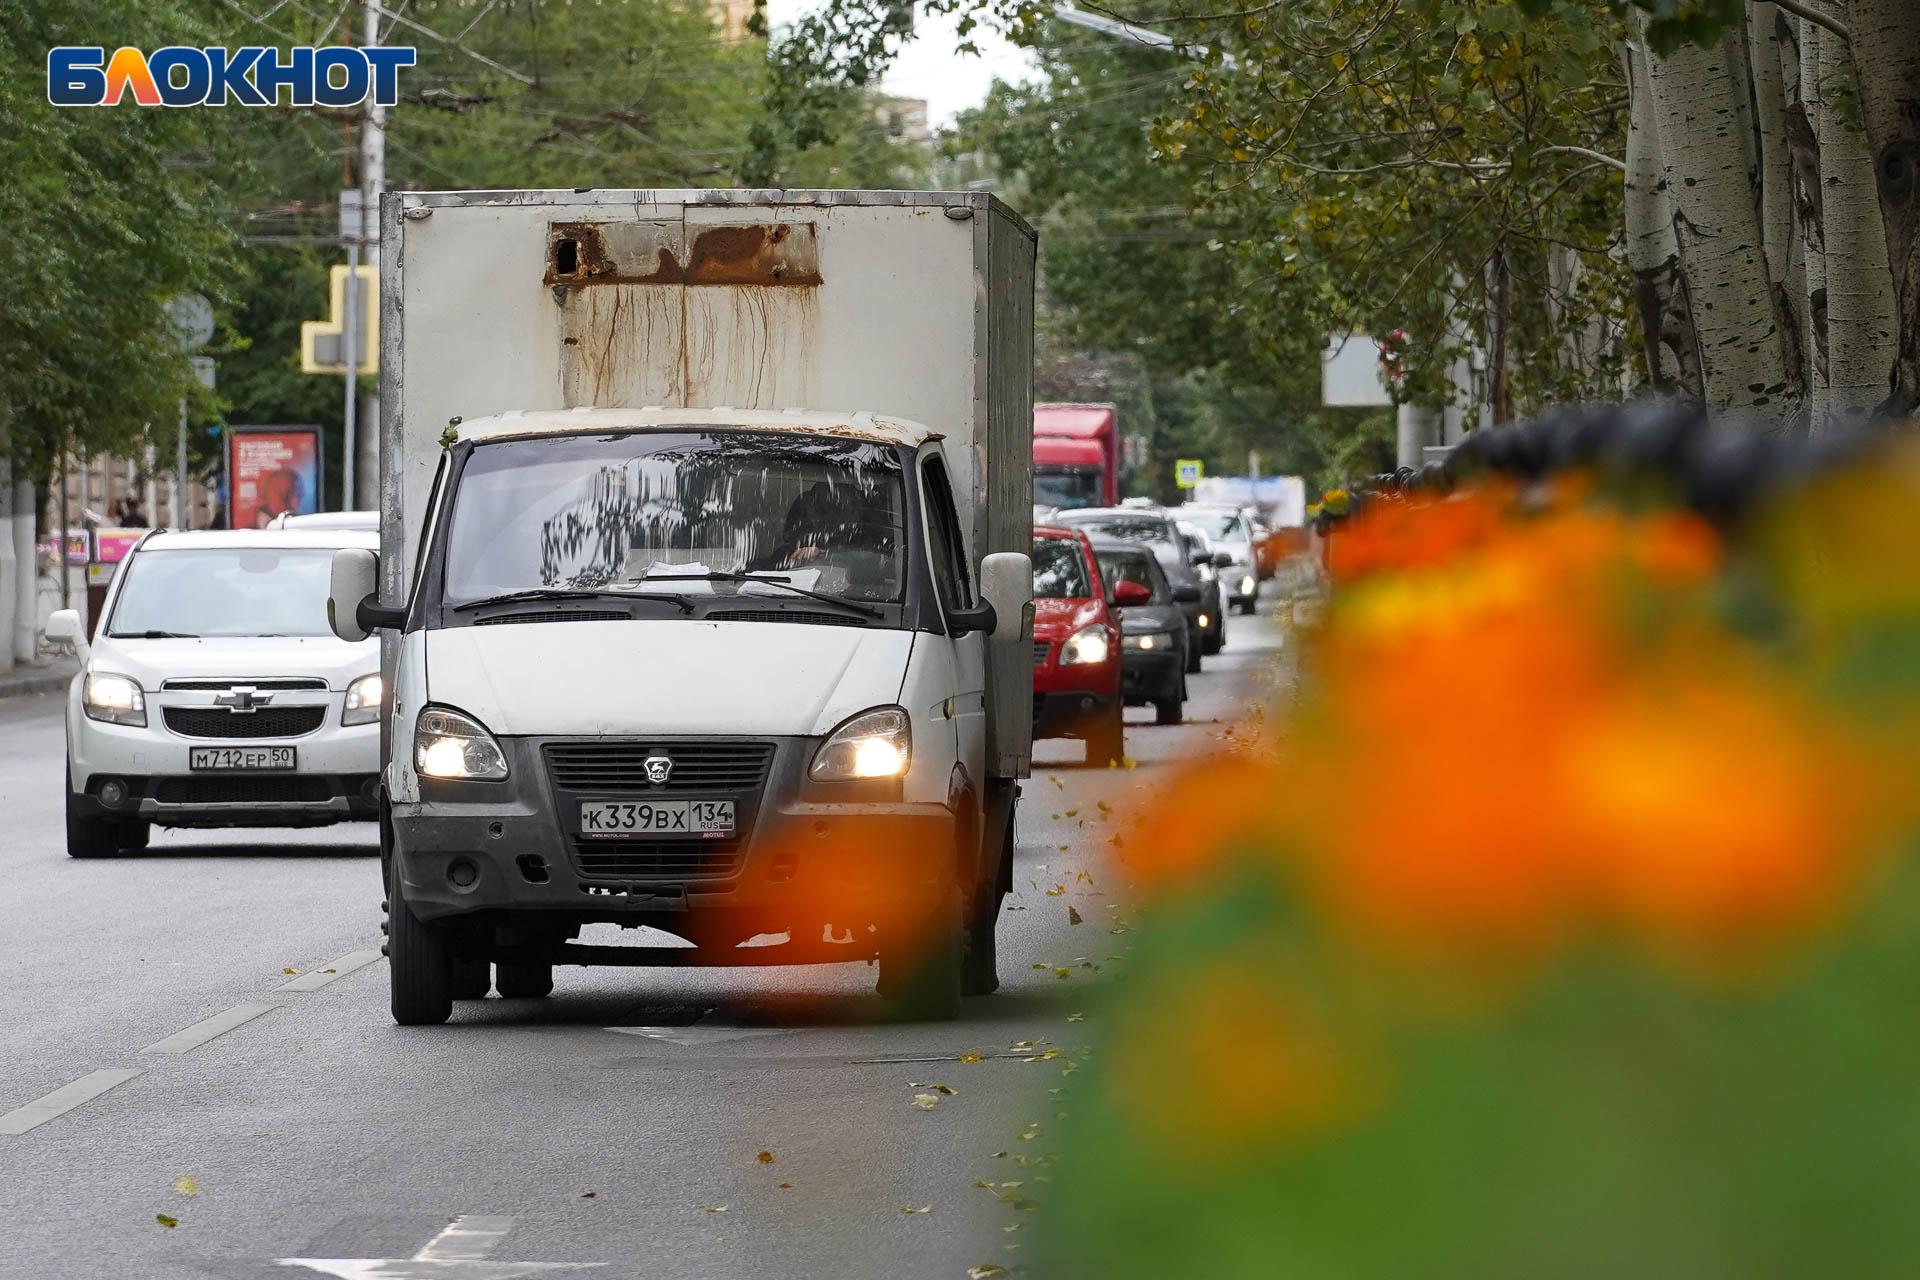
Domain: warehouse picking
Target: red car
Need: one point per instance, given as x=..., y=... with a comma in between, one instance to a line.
x=1076, y=646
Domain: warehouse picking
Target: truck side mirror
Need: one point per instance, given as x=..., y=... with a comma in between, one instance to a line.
x=354, y=610
x=1006, y=583
x=65, y=627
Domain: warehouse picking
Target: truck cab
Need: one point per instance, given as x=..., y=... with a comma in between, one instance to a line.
x=719, y=672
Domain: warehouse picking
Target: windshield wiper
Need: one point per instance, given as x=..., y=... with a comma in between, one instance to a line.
x=864, y=610
x=573, y=593
x=154, y=635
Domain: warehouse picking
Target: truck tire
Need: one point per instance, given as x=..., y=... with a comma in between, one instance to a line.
x=1108, y=741
x=523, y=979
x=923, y=974
x=419, y=964
x=471, y=979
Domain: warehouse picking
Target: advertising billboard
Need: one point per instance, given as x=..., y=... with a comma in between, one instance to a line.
x=271, y=470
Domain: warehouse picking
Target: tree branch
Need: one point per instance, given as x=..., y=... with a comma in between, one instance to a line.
x=1799, y=9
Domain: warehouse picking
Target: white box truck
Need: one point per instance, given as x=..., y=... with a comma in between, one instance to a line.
x=704, y=571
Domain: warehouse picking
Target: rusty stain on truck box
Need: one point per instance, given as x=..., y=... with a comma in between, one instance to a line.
x=780, y=254
x=659, y=312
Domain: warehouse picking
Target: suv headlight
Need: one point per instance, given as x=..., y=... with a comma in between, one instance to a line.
x=1085, y=647
x=114, y=699
x=363, y=700
x=873, y=744
x=447, y=744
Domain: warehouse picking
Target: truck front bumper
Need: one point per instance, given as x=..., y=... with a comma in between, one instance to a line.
x=804, y=854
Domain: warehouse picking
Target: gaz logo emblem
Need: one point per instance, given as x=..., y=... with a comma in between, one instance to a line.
x=659, y=769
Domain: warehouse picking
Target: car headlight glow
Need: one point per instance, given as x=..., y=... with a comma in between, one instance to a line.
x=873, y=744
x=1205, y=621
x=1085, y=647
x=1247, y=585
x=363, y=700
x=447, y=744
x=1148, y=643
x=114, y=699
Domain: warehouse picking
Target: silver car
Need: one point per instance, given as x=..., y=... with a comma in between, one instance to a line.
x=1229, y=531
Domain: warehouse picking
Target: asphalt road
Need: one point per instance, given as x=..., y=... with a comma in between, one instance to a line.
x=614, y=1129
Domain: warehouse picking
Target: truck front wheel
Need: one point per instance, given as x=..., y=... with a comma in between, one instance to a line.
x=922, y=972
x=419, y=963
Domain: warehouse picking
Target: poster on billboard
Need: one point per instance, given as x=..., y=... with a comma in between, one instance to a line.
x=271, y=470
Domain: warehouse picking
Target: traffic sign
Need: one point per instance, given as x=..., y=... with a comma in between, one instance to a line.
x=192, y=317
x=1187, y=472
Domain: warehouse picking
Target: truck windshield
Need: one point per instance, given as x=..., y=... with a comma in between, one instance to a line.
x=1066, y=487
x=608, y=512
x=224, y=591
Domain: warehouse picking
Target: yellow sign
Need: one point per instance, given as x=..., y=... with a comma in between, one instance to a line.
x=323, y=342
x=1187, y=472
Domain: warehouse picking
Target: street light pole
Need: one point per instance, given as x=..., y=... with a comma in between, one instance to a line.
x=373, y=181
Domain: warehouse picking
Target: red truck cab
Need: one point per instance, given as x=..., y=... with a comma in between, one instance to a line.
x=1076, y=455
x=1076, y=647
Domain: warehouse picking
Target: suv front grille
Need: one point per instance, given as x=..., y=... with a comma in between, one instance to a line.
x=241, y=789
x=657, y=859
x=621, y=766
x=267, y=722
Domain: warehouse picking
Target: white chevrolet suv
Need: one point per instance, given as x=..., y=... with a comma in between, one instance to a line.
x=214, y=693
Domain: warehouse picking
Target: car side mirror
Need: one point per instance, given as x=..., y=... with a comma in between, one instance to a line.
x=1128, y=594
x=1006, y=583
x=1198, y=557
x=354, y=610
x=1222, y=559
x=1186, y=593
x=65, y=627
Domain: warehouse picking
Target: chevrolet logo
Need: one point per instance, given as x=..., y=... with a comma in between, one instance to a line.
x=242, y=700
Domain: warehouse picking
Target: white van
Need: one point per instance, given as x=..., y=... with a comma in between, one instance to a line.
x=752, y=675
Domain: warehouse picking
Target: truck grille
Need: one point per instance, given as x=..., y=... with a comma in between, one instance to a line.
x=621, y=766
x=657, y=859
x=267, y=722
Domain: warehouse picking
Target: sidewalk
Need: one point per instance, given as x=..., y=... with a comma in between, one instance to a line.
x=51, y=675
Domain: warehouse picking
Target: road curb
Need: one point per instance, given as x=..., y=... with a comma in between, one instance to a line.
x=50, y=681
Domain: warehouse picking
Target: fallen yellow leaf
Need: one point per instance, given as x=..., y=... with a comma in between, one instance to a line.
x=925, y=1208
x=986, y=1271
x=165, y=1221
x=1076, y=1017
x=187, y=1185
x=947, y=1089
x=971, y=1057
x=715, y=1208
x=926, y=1101
x=289, y=971
x=765, y=1157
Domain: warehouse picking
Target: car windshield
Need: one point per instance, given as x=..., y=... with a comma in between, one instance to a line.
x=224, y=591
x=1132, y=566
x=1221, y=526
x=609, y=512
x=1059, y=570
x=1066, y=487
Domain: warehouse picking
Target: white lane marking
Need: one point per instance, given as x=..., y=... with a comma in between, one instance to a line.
x=700, y=1035
x=340, y=968
x=471, y=1235
x=207, y=1028
x=458, y=1252
x=64, y=1099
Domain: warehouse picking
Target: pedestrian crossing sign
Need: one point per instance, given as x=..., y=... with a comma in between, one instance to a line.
x=1187, y=472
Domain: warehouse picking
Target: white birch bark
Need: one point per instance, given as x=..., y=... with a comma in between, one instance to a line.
x=1886, y=53
x=1764, y=49
x=1653, y=255
x=1702, y=114
x=1860, y=321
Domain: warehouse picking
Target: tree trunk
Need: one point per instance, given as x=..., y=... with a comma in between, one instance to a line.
x=1860, y=322
x=1705, y=135
x=26, y=581
x=9, y=561
x=1765, y=46
x=1653, y=254
x=1886, y=51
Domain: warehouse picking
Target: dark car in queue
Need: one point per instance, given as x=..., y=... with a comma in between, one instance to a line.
x=1154, y=638
x=1076, y=647
x=1207, y=563
x=1161, y=535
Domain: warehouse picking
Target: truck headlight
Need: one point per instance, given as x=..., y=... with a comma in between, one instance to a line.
x=363, y=700
x=447, y=744
x=873, y=744
x=1085, y=647
x=114, y=699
